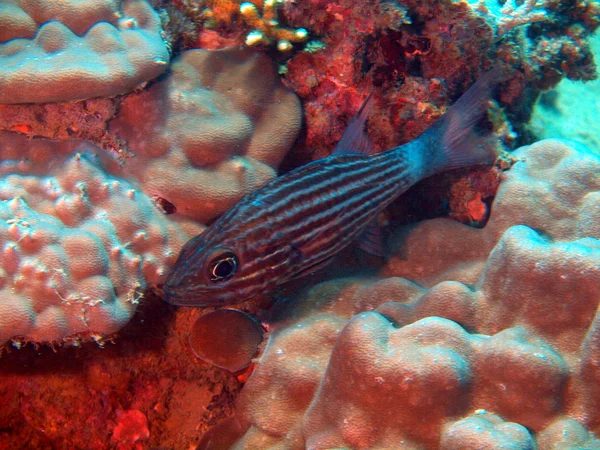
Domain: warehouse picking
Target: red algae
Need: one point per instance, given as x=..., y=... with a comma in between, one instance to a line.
x=144, y=390
x=132, y=426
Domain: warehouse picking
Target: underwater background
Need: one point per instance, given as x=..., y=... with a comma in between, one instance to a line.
x=128, y=127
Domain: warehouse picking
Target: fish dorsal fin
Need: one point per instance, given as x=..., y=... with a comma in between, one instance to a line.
x=355, y=139
x=372, y=239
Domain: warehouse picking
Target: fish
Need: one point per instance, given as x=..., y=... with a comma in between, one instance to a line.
x=298, y=222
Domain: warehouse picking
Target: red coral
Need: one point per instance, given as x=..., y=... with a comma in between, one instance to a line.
x=132, y=426
x=402, y=54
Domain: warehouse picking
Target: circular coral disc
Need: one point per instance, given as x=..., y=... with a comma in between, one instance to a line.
x=226, y=338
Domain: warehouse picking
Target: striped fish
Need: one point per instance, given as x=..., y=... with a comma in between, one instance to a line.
x=298, y=222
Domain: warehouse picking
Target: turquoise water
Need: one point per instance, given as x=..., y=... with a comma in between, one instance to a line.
x=570, y=110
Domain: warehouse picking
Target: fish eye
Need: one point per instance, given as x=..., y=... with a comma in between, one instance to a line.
x=223, y=267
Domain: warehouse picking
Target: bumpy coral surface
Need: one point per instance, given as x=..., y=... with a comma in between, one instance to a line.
x=64, y=50
x=478, y=338
x=212, y=131
x=89, y=231
x=79, y=246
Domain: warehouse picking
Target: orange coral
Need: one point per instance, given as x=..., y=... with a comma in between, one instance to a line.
x=266, y=28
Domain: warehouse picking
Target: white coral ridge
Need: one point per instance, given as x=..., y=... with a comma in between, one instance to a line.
x=77, y=245
x=512, y=13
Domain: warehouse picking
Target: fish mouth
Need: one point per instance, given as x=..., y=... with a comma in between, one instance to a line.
x=175, y=290
x=170, y=294
x=177, y=296
x=172, y=297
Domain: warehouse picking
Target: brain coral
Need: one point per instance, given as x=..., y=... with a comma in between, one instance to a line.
x=213, y=130
x=71, y=50
x=78, y=245
x=511, y=358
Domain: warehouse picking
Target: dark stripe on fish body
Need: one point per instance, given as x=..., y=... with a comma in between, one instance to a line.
x=296, y=189
x=346, y=230
x=328, y=211
x=330, y=175
x=325, y=196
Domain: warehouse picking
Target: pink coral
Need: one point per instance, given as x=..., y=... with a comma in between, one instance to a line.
x=485, y=430
x=362, y=364
x=64, y=50
x=78, y=245
x=212, y=131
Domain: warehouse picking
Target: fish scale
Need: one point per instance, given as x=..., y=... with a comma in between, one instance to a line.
x=316, y=218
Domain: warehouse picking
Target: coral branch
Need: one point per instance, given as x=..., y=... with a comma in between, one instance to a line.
x=513, y=16
x=266, y=29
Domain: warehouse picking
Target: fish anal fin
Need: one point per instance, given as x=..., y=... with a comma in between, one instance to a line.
x=355, y=140
x=311, y=269
x=372, y=239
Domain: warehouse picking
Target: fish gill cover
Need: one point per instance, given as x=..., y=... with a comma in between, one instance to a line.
x=490, y=329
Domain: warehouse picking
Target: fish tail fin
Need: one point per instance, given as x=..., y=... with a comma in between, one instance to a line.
x=453, y=141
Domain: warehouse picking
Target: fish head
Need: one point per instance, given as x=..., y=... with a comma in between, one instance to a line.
x=221, y=272
x=202, y=273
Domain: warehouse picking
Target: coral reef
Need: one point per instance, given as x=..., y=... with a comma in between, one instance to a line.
x=57, y=51
x=233, y=23
x=266, y=28
x=465, y=338
x=360, y=363
x=211, y=131
x=511, y=15
x=72, y=262
x=418, y=56
x=214, y=129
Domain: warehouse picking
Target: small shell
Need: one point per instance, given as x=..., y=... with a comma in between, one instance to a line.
x=226, y=338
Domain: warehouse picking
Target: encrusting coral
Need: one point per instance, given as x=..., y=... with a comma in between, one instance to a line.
x=420, y=55
x=63, y=50
x=366, y=364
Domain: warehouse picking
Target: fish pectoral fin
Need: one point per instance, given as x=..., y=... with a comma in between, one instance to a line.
x=355, y=139
x=372, y=239
x=212, y=341
x=310, y=269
